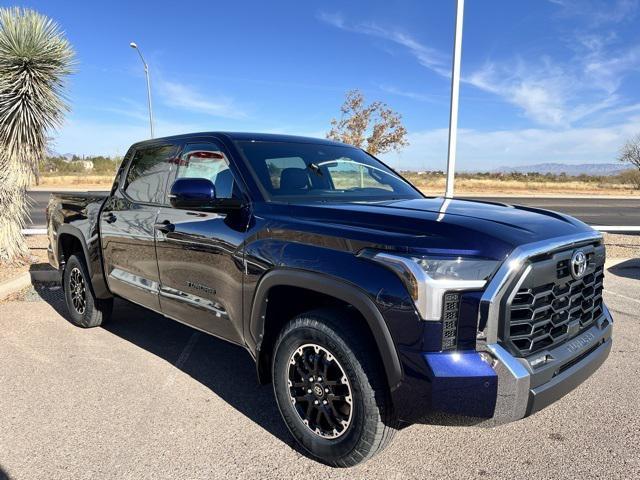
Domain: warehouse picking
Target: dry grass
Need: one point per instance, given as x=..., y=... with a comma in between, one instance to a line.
x=464, y=186
x=102, y=181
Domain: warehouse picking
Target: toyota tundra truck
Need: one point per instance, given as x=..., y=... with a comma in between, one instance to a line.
x=367, y=305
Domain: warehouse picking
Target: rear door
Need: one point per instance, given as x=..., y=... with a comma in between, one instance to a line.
x=199, y=253
x=127, y=225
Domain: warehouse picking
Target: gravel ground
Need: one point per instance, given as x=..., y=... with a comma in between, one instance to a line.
x=622, y=246
x=146, y=397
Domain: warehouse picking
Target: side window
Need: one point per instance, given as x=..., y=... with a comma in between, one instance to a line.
x=348, y=174
x=207, y=160
x=148, y=173
x=282, y=169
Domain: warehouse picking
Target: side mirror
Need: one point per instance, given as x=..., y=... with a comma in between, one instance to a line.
x=200, y=194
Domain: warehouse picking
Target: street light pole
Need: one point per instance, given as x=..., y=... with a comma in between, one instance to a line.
x=455, y=93
x=146, y=73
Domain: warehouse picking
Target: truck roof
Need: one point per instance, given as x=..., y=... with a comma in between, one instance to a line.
x=248, y=136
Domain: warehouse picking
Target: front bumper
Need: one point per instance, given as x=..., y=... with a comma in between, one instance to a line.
x=524, y=389
x=495, y=387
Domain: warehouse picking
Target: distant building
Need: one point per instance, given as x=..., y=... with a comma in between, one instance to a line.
x=87, y=164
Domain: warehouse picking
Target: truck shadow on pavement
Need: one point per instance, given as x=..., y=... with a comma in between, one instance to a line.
x=226, y=369
x=628, y=269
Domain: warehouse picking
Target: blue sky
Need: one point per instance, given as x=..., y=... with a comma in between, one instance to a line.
x=542, y=80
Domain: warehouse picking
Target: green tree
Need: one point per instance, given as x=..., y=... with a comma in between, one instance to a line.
x=374, y=127
x=35, y=59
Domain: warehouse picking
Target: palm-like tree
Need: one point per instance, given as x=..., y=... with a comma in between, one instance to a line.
x=35, y=59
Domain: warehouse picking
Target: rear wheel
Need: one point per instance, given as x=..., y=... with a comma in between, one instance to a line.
x=85, y=310
x=329, y=389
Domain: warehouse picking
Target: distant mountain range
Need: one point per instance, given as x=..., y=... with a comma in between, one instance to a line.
x=604, y=169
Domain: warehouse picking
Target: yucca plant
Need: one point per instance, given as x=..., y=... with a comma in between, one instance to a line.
x=35, y=59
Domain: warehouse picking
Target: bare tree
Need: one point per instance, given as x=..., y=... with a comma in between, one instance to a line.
x=374, y=127
x=630, y=153
x=35, y=58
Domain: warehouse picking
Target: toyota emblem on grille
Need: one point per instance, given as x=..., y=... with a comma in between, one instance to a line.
x=578, y=264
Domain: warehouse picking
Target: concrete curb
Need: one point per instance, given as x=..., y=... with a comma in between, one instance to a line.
x=14, y=285
x=25, y=279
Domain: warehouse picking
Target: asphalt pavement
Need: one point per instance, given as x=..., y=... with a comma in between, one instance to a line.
x=146, y=397
x=591, y=210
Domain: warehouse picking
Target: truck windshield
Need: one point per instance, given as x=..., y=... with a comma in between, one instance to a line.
x=322, y=172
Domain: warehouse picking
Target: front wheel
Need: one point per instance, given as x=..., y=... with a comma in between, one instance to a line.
x=85, y=310
x=330, y=390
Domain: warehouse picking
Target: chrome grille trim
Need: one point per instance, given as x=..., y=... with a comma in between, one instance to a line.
x=510, y=271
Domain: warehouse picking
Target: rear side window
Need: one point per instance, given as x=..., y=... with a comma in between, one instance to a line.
x=148, y=173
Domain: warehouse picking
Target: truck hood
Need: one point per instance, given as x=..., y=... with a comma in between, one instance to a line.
x=431, y=225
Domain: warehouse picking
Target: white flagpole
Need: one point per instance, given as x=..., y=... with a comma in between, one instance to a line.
x=455, y=93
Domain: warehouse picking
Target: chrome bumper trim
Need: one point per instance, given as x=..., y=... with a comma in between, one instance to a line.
x=523, y=389
x=514, y=381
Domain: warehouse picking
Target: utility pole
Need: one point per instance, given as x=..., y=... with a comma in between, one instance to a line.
x=455, y=94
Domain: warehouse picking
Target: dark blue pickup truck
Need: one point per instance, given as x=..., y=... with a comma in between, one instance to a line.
x=367, y=305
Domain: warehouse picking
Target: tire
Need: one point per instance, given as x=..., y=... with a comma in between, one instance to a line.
x=348, y=431
x=85, y=310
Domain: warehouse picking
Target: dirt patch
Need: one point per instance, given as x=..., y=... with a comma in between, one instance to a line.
x=38, y=261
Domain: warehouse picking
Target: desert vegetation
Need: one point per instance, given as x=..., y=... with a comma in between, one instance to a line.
x=528, y=183
x=35, y=60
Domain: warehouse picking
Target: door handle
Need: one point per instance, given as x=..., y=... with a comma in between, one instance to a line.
x=165, y=227
x=110, y=217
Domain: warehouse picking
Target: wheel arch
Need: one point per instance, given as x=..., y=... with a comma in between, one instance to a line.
x=344, y=293
x=68, y=238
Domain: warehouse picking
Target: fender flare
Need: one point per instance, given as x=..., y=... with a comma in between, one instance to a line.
x=337, y=288
x=98, y=283
x=77, y=234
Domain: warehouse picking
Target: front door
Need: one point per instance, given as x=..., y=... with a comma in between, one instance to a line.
x=199, y=259
x=127, y=225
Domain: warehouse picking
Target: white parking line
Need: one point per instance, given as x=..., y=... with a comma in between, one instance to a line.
x=616, y=228
x=182, y=359
x=623, y=296
x=186, y=351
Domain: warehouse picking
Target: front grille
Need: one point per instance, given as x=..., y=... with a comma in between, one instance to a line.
x=551, y=306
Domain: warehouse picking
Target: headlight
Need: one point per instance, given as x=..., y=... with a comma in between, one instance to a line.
x=428, y=277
